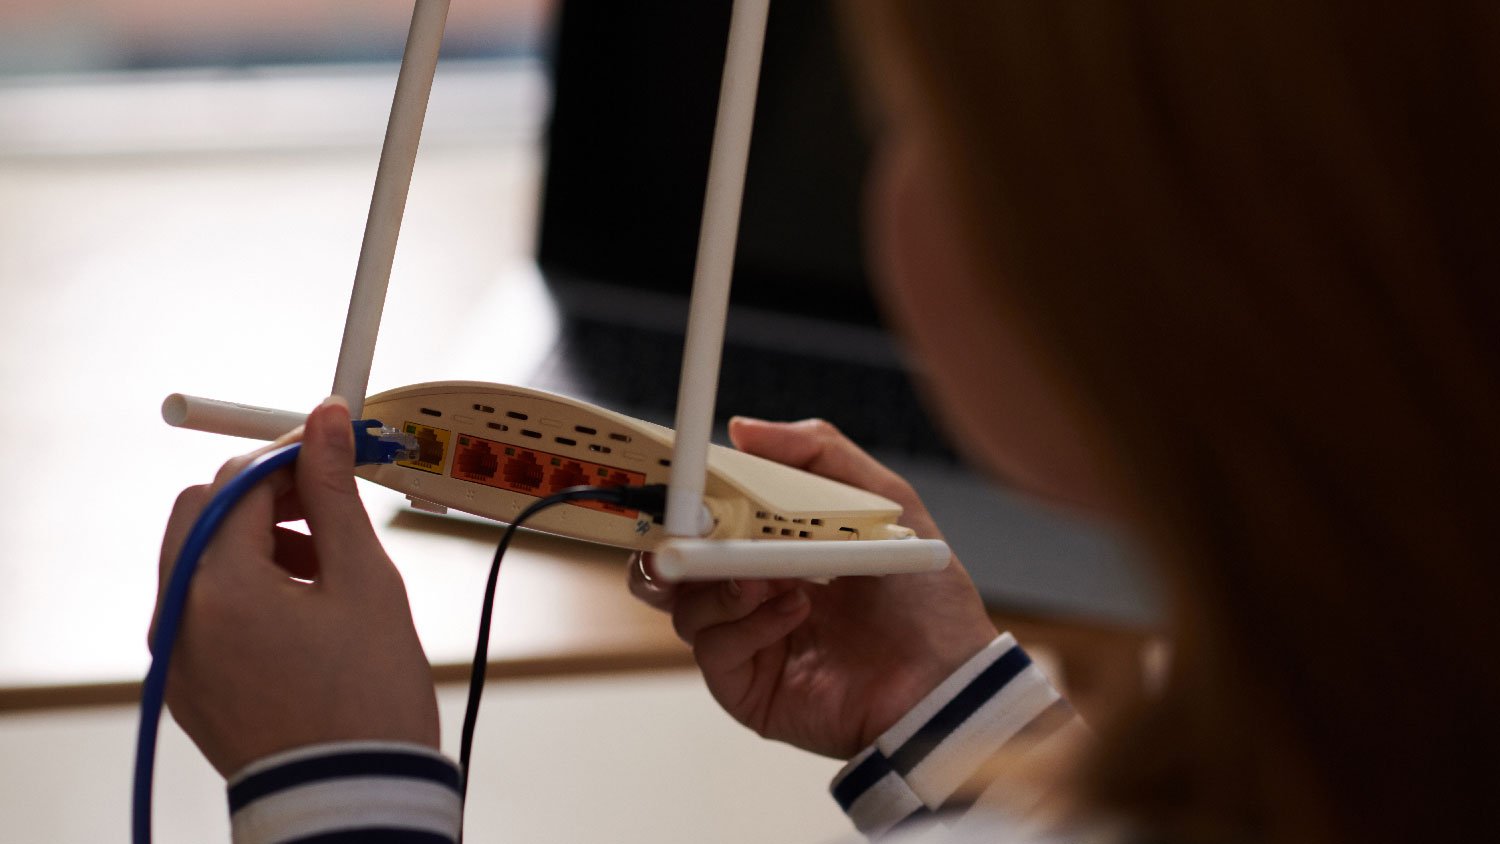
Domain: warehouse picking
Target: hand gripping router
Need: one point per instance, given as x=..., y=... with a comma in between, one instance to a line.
x=491, y=450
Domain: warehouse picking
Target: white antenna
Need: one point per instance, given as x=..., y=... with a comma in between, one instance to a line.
x=715, y=266
x=392, y=180
x=684, y=556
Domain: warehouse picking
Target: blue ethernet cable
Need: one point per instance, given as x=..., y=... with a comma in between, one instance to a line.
x=383, y=445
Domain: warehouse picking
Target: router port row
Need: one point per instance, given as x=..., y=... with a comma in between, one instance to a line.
x=535, y=473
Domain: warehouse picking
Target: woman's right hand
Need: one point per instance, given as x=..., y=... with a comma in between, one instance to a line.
x=827, y=668
x=292, y=639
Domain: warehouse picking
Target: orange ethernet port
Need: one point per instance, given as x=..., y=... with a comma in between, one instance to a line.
x=607, y=476
x=613, y=477
x=566, y=473
x=522, y=472
x=475, y=460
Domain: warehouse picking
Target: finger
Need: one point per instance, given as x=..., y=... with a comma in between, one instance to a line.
x=640, y=576
x=336, y=517
x=236, y=465
x=727, y=648
x=817, y=446
x=245, y=540
x=710, y=604
x=185, y=510
x=190, y=503
x=296, y=554
x=244, y=531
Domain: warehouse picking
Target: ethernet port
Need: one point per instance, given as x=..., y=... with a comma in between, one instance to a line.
x=522, y=470
x=429, y=447
x=475, y=460
x=570, y=473
x=611, y=477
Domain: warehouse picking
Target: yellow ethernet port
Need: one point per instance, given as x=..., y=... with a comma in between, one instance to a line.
x=432, y=444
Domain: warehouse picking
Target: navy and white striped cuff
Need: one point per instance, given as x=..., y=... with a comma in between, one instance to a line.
x=376, y=792
x=925, y=762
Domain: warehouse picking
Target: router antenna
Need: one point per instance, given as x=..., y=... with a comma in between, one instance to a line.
x=715, y=266
x=387, y=204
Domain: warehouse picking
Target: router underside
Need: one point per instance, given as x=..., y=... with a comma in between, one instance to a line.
x=491, y=450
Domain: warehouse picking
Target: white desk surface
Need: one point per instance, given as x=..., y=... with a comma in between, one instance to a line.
x=129, y=274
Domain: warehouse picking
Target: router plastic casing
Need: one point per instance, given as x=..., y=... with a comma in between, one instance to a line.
x=491, y=450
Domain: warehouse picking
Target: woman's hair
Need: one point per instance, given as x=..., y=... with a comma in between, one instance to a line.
x=1260, y=241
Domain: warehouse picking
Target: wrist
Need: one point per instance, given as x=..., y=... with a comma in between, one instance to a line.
x=933, y=664
x=357, y=788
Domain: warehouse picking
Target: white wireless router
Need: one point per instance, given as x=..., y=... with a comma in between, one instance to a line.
x=491, y=449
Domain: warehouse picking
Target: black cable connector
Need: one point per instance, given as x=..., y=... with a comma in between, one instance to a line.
x=650, y=499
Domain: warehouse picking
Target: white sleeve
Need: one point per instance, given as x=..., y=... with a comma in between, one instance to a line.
x=367, y=792
x=930, y=764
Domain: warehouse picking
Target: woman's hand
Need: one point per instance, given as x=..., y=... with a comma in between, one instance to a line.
x=266, y=662
x=827, y=668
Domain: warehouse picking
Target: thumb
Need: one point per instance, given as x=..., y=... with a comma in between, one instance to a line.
x=816, y=446
x=335, y=515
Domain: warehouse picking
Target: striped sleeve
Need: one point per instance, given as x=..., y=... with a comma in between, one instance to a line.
x=367, y=792
x=928, y=764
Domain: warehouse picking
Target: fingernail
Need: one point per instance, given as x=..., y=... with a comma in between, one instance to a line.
x=790, y=602
x=734, y=588
x=338, y=436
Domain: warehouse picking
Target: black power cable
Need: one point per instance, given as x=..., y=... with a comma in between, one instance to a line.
x=651, y=500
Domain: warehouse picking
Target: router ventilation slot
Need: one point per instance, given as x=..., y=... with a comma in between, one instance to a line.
x=776, y=524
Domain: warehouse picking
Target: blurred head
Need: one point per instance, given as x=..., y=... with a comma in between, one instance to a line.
x=1228, y=273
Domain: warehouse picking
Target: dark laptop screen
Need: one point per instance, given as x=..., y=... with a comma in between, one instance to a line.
x=636, y=88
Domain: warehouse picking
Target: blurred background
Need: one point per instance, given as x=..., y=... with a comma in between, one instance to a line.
x=183, y=188
x=113, y=35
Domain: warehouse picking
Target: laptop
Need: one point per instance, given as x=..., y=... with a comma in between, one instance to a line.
x=635, y=88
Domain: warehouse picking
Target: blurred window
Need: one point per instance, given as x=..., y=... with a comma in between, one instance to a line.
x=45, y=36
